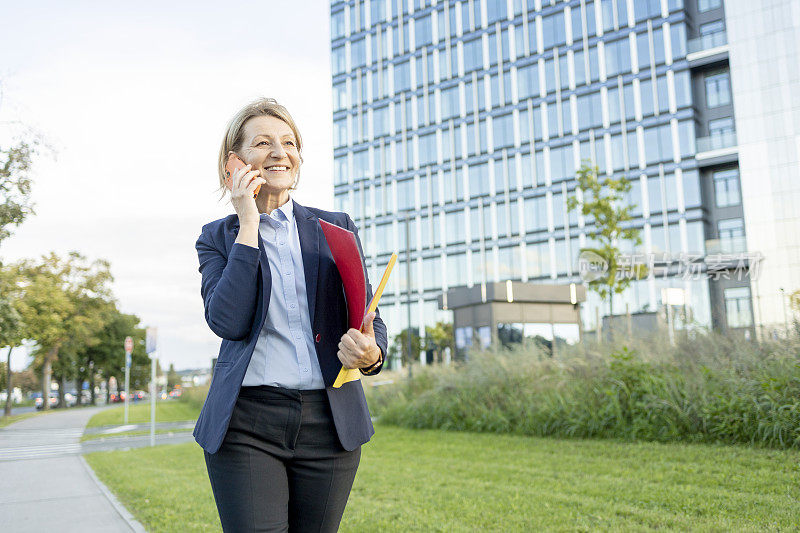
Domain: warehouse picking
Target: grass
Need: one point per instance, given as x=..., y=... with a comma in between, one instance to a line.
x=6, y=420
x=707, y=388
x=432, y=480
x=139, y=413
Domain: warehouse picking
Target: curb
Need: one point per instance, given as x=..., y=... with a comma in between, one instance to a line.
x=121, y=510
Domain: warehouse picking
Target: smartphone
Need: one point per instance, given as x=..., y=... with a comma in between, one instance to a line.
x=235, y=163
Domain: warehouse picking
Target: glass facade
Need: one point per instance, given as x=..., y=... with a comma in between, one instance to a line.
x=467, y=119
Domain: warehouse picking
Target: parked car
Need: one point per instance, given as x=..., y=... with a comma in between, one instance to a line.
x=53, y=400
x=71, y=398
x=116, y=397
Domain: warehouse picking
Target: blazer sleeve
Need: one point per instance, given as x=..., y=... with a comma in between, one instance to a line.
x=377, y=325
x=229, y=287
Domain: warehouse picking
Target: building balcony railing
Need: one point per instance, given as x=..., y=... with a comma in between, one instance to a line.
x=718, y=141
x=732, y=245
x=707, y=42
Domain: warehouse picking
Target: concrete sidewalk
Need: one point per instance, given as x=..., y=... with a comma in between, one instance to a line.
x=47, y=485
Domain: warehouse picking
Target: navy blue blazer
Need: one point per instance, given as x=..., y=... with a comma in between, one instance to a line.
x=236, y=285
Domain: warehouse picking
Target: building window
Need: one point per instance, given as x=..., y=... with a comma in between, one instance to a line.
x=706, y=5
x=718, y=89
x=338, y=60
x=731, y=235
x=711, y=28
x=691, y=188
x=618, y=57
x=726, y=187
x=423, y=31
x=463, y=338
x=553, y=30
x=683, y=89
x=720, y=127
x=337, y=25
x=737, y=307
x=473, y=55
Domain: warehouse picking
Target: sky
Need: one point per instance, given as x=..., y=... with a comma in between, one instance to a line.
x=133, y=98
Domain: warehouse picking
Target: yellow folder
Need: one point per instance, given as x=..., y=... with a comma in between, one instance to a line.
x=352, y=374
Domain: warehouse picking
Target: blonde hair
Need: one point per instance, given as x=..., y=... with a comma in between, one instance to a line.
x=234, y=133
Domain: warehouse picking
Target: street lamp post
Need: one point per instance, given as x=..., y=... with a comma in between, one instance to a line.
x=785, y=316
x=408, y=293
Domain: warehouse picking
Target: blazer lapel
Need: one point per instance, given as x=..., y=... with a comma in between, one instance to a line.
x=309, y=232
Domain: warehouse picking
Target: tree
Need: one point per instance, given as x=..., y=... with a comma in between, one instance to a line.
x=172, y=377
x=27, y=380
x=107, y=357
x=400, y=346
x=15, y=185
x=11, y=325
x=439, y=337
x=61, y=306
x=794, y=301
x=602, y=201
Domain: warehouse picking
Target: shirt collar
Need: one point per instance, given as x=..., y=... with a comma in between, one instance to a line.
x=287, y=208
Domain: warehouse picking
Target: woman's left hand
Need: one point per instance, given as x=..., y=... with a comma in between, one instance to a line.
x=358, y=349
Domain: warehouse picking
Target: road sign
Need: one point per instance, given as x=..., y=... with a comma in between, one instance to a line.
x=128, y=344
x=127, y=359
x=151, y=340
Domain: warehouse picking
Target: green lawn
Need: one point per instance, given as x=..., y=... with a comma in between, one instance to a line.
x=139, y=413
x=6, y=420
x=429, y=480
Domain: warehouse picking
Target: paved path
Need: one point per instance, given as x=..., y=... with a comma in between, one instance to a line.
x=47, y=485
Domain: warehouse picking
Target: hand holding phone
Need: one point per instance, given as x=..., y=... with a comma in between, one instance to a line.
x=235, y=163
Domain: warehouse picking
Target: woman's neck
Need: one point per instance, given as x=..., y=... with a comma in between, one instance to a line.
x=268, y=202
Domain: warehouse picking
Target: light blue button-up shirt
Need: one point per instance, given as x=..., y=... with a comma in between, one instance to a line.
x=284, y=355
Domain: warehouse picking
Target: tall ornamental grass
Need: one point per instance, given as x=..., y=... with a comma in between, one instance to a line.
x=195, y=396
x=707, y=388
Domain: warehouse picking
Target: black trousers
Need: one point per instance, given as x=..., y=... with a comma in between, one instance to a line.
x=281, y=466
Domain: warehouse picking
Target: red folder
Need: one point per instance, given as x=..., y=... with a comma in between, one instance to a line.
x=348, y=260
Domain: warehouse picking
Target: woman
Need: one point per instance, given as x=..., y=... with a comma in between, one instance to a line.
x=281, y=444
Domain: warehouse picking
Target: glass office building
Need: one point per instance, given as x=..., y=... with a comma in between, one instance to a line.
x=469, y=118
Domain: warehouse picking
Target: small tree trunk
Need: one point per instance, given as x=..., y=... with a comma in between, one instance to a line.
x=91, y=386
x=62, y=386
x=8, y=381
x=611, y=317
x=47, y=375
x=78, y=389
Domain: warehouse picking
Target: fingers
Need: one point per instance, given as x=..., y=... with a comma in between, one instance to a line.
x=367, y=326
x=346, y=360
x=255, y=183
x=244, y=176
x=359, y=340
x=246, y=181
x=236, y=176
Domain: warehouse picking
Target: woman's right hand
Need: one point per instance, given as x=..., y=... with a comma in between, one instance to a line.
x=244, y=183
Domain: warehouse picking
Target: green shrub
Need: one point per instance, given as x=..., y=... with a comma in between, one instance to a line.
x=195, y=396
x=707, y=388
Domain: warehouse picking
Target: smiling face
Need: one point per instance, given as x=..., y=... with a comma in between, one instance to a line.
x=271, y=147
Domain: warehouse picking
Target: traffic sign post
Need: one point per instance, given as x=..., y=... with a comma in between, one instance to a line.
x=150, y=348
x=128, y=350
